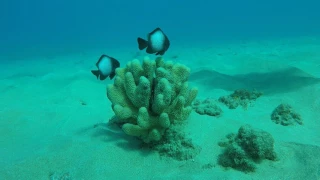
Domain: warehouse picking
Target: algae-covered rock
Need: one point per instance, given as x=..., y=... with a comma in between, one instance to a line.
x=240, y=97
x=176, y=145
x=285, y=115
x=243, y=151
x=207, y=107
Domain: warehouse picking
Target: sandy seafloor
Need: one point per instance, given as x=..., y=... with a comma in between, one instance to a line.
x=49, y=107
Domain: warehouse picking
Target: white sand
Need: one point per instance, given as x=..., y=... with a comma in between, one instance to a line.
x=46, y=129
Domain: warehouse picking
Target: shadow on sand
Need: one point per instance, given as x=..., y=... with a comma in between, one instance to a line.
x=279, y=81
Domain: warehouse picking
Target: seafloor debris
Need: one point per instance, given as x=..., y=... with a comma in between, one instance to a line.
x=285, y=115
x=240, y=97
x=176, y=145
x=243, y=151
x=207, y=107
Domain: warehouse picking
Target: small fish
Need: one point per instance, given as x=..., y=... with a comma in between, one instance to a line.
x=106, y=67
x=157, y=42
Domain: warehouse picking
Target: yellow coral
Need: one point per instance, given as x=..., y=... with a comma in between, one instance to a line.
x=147, y=98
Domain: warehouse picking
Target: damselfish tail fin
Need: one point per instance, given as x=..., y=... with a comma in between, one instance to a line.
x=96, y=73
x=142, y=43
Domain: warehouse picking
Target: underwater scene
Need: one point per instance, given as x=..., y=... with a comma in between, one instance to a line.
x=160, y=90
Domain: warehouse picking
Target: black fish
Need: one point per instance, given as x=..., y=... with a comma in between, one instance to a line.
x=157, y=42
x=106, y=67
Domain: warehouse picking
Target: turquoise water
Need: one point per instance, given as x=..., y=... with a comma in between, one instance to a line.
x=60, y=26
x=256, y=67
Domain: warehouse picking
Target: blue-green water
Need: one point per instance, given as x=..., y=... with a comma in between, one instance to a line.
x=60, y=26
